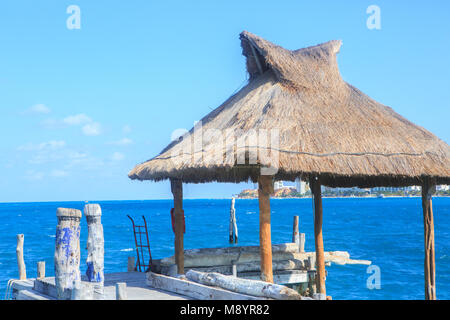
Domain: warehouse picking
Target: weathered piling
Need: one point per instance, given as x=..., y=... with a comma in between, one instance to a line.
x=295, y=234
x=177, y=191
x=297, y=237
x=121, y=291
x=131, y=264
x=67, y=250
x=95, y=248
x=233, y=224
x=428, y=188
x=19, y=255
x=265, y=189
x=40, y=270
x=318, y=218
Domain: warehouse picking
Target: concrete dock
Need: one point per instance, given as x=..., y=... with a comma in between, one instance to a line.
x=137, y=289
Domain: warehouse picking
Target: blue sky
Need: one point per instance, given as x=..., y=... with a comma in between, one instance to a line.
x=79, y=108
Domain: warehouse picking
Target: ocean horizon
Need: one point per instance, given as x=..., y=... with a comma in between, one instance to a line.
x=388, y=231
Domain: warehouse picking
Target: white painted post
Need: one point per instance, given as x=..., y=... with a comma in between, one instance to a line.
x=67, y=250
x=301, y=244
x=40, y=270
x=121, y=291
x=298, y=238
x=95, y=248
x=131, y=264
x=234, y=268
x=20, y=260
x=76, y=290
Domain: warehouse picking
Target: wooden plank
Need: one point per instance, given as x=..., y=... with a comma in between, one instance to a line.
x=251, y=261
x=226, y=255
x=318, y=237
x=428, y=188
x=31, y=295
x=255, y=266
x=19, y=255
x=194, y=290
x=177, y=191
x=282, y=277
x=265, y=189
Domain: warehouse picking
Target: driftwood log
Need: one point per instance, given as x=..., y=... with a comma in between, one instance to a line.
x=249, y=287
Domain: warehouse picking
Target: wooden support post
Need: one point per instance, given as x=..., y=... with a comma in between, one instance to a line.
x=295, y=234
x=67, y=251
x=318, y=237
x=40, y=270
x=177, y=191
x=131, y=264
x=265, y=189
x=121, y=291
x=20, y=260
x=428, y=188
x=95, y=248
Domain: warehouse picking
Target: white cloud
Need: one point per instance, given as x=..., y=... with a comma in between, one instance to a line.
x=59, y=173
x=126, y=129
x=50, y=145
x=38, y=109
x=34, y=175
x=92, y=129
x=117, y=156
x=122, y=142
x=76, y=120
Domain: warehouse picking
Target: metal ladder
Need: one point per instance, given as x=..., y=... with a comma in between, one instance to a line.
x=139, y=230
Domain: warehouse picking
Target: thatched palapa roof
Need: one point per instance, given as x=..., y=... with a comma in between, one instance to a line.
x=324, y=126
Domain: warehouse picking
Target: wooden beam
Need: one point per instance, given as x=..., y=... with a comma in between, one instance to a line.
x=318, y=237
x=255, y=56
x=428, y=188
x=177, y=191
x=265, y=243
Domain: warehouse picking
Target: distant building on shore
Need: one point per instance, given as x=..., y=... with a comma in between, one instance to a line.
x=301, y=186
x=278, y=185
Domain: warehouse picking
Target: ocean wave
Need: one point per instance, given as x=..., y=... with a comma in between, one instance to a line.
x=51, y=235
x=126, y=250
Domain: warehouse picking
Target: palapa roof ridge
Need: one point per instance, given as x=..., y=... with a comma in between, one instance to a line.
x=325, y=127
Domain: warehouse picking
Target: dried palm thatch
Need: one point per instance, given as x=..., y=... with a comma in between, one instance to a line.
x=297, y=114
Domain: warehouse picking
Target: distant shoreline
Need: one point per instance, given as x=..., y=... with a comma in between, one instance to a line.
x=344, y=197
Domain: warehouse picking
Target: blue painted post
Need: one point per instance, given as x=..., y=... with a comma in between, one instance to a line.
x=67, y=251
x=95, y=248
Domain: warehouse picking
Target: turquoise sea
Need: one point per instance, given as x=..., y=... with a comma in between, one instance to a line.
x=388, y=231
